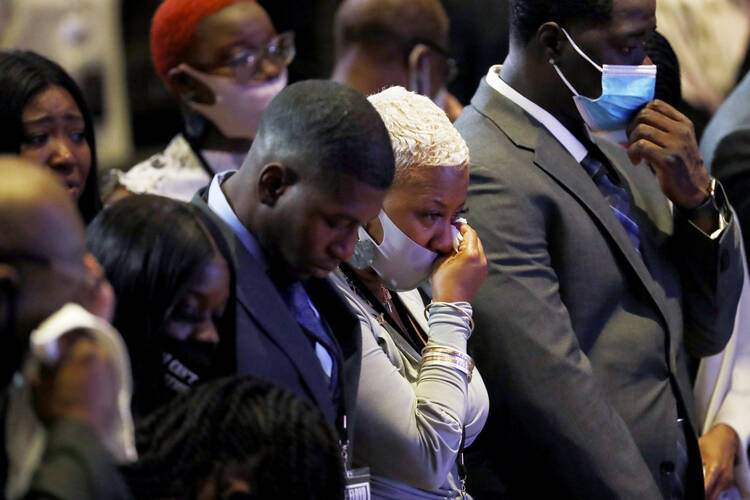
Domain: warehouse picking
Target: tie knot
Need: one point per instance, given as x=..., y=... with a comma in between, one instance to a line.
x=593, y=166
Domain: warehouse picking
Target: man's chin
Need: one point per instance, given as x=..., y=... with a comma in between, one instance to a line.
x=321, y=271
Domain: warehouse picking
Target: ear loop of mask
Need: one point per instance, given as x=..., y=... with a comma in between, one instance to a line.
x=419, y=72
x=582, y=54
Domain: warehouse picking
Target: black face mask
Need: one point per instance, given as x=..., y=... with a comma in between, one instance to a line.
x=186, y=363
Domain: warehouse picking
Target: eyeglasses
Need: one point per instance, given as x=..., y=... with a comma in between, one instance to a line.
x=451, y=67
x=248, y=65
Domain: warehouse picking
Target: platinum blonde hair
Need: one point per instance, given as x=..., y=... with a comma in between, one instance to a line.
x=421, y=134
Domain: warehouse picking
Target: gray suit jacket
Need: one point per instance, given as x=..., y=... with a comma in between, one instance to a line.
x=581, y=341
x=271, y=344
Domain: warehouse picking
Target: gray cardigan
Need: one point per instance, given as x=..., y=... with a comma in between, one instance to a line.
x=410, y=421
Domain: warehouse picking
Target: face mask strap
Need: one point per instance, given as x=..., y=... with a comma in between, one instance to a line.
x=580, y=52
x=562, y=77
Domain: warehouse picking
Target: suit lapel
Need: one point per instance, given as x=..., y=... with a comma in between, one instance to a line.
x=549, y=155
x=260, y=298
x=345, y=328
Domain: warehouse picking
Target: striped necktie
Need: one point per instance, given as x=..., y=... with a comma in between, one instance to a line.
x=616, y=196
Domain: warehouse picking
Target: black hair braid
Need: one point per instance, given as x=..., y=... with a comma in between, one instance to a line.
x=285, y=446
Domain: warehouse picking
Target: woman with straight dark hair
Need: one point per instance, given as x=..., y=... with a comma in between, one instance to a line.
x=44, y=118
x=167, y=265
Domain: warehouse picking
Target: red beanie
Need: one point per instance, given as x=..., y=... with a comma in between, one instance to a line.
x=173, y=30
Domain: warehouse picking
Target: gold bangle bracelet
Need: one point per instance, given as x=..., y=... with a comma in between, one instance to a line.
x=450, y=364
x=446, y=350
x=448, y=359
x=454, y=306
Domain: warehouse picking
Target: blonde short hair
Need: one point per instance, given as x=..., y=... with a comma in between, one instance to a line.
x=421, y=134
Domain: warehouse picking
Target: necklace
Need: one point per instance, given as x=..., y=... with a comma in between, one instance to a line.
x=387, y=313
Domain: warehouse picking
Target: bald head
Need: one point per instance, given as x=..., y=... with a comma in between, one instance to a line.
x=36, y=213
x=42, y=254
x=381, y=24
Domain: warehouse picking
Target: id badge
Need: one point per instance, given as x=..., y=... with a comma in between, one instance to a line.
x=358, y=484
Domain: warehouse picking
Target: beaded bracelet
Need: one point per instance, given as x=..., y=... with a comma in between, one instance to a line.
x=454, y=306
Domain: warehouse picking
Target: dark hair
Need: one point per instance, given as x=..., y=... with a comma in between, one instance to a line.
x=327, y=129
x=151, y=249
x=668, y=87
x=527, y=15
x=287, y=447
x=23, y=75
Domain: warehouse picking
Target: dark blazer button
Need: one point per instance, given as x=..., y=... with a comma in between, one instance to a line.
x=724, y=260
x=666, y=467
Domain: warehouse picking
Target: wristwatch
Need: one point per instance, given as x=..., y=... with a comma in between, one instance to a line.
x=715, y=204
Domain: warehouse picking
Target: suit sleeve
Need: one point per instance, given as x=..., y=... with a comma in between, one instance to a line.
x=711, y=277
x=76, y=466
x=530, y=357
x=711, y=269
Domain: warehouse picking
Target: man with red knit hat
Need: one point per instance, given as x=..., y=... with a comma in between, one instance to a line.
x=224, y=62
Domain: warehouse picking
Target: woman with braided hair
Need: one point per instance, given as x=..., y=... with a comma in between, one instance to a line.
x=236, y=438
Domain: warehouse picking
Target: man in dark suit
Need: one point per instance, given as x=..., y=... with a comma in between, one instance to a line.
x=608, y=266
x=317, y=170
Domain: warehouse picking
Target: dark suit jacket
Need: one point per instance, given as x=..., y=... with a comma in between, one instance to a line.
x=581, y=341
x=725, y=147
x=270, y=343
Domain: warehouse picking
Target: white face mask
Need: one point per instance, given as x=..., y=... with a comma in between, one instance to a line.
x=237, y=108
x=401, y=263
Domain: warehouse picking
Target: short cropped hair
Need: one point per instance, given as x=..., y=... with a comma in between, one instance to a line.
x=173, y=30
x=326, y=129
x=527, y=15
x=421, y=133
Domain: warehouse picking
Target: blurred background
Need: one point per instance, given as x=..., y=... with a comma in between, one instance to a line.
x=104, y=44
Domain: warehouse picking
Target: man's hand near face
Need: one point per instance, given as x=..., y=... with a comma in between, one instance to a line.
x=81, y=386
x=718, y=450
x=665, y=139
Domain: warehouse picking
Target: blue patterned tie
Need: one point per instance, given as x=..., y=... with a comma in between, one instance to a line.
x=617, y=197
x=298, y=301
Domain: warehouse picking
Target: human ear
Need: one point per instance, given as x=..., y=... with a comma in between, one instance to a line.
x=551, y=39
x=420, y=71
x=9, y=279
x=273, y=181
x=187, y=87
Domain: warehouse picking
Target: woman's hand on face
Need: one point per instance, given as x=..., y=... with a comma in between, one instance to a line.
x=457, y=277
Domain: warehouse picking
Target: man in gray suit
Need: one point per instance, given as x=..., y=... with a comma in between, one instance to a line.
x=608, y=266
x=317, y=170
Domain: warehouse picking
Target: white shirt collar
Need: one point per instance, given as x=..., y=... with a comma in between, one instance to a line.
x=576, y=149
x=217, y=202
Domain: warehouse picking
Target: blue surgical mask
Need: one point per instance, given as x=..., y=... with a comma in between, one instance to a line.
x=625, y=88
